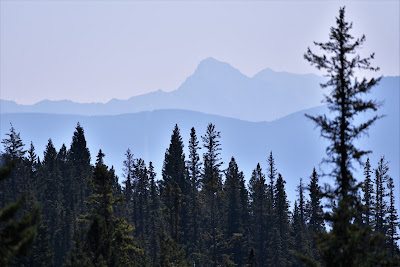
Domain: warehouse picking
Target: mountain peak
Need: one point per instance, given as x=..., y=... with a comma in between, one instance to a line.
x=211, y=67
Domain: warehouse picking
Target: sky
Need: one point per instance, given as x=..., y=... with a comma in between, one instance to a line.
x=93, y=51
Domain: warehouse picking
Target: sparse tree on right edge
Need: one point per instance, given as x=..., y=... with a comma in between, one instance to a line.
x=347, y=243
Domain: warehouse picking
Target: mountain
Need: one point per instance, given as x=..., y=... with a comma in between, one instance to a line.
x=215, y=87
x=296, y=144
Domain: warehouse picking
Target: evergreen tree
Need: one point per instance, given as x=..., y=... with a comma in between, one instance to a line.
x=368, y=191
x=234, y=227
x=258, y=202
x=281, y=234
x=18, y=180
x=50, y=196
x=155, y=217
x=128, y=167
x=109, y=240
x=315, y=213
x=174, y=163
x=345, y=244
x=193, y=199
x=79, y=156
x=17, y=231
x=301, y=238
x=392, y=222
x=212, y=194
x=381, y=177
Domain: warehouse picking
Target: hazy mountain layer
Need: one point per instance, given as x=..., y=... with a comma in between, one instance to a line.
x=215, y=88
x=296, y=144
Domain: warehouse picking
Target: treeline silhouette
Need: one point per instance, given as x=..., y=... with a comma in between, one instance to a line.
x=197, y=214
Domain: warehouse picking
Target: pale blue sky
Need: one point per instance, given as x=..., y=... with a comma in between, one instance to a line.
x=93, y=51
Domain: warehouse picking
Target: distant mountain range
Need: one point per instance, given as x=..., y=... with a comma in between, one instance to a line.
x=215, y=88
x=240, y=107
x=294, y=141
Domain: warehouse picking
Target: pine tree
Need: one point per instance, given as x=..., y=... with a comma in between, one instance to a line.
x=212, y=193
x=368, y=191
x=155, y=216
x=234, y=227
x=128, y=167
x=345, y=243
x=17, y=231
x=381, y=177
x=79, y=156
x=108, y=240
x=18, y=180
x=315, y=212
x=258, y=202
x=281, y=229
x=193, y=199
x=392, y=221
x=301, y=237
x=174, y=163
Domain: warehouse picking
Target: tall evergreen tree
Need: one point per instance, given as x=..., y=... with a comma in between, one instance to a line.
x=258, y=190
x=344, y=245
x=79, y=156
x=234, y=227
x=392, y=222
x=174, y=163
x=381, y=177
x=212, y=193
x=368, y=191
x=192, y=235
x=109, y=240
x=281, y=234
x=155, y=216
x=17, y=231
x=314, y=206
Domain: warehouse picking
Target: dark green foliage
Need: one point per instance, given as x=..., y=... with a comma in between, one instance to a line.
x=17, y=231
x=174, y=163
x=281, y=230
x=155, y=216
x=252, y=260
x=392, y=222
x=193, y=198
x=259, y=210
x=188, y=218
x=236, y=204
x=212, y=195
x=381, y=177
x=368, y=191
x=109, y=240
x=346, y=244
x=79, y=156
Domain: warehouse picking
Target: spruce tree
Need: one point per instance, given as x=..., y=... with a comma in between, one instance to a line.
x=234, y=214
x=155, y=216
x=367, y=200
x=392, y=222
x=281, y=234
x=17, y=231
x=193, y=237
x=345, y=244
x=258, y=190
x=212, y=194
x=381, y=177
x=108, y=240
x=79, y=156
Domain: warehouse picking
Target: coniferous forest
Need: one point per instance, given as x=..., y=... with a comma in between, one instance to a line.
x=58, y=209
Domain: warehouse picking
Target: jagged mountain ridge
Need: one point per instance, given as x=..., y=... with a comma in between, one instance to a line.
x=215, y=87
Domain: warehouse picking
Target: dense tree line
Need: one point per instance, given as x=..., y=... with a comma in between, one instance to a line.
x=199, y=214
x=196, y=214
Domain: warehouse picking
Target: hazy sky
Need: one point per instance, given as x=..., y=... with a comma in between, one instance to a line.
x=93, y=51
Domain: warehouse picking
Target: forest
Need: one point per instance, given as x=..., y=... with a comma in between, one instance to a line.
x=60, y=210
